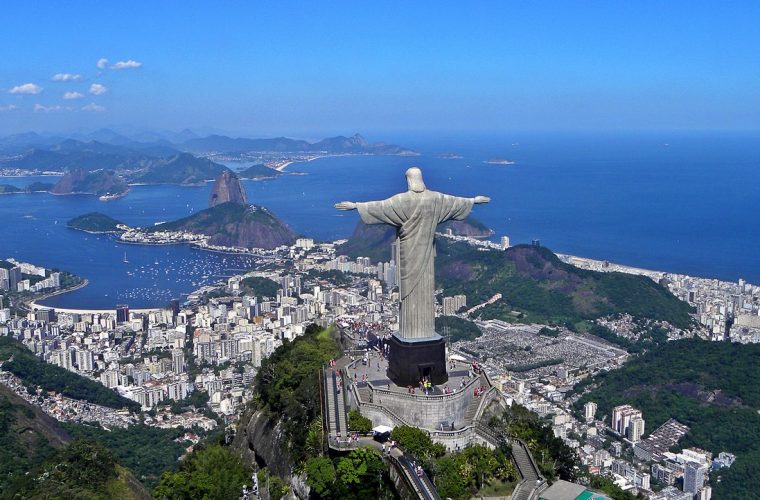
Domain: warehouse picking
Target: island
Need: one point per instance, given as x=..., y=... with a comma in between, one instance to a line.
x=499, y=161
x=96, y=222
x=450, y=156
x=258, y=171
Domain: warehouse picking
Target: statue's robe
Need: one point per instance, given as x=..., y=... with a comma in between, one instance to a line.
x=416, y=216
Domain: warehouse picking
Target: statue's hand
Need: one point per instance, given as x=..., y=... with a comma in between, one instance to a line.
x=346, y=205
x=481, y=199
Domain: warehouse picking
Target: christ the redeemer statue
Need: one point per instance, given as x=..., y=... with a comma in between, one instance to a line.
x=416, y=214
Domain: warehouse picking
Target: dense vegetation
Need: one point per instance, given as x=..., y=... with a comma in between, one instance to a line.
x=34, y=372
x=359, y=475
x=84, y=469
x=94, y=222
x=287, y=385
x=713, y=387
x=332, y=276
x=146, y=451
x=259, y=287
x=211, y=472
x=454, y=328
x=38, y=461
x=537, y=287
x=21, y=451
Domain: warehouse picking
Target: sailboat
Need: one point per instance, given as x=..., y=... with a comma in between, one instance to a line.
x=125, y=258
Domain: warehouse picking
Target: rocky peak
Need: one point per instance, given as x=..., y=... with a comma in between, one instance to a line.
x=227, y=188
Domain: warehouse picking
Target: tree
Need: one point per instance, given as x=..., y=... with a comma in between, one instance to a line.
x=358, y=423
x=320, y=475
x=483, y=461
x=359, y=474
x=416, y=442
x=211, y=472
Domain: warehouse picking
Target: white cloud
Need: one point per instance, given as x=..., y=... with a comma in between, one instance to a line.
x=72, y=95
x=26, y=88
x=10, y=107
x=66, y=77
x=102, y=63
x=39, y=108
x=98, y=89
x=129, y=64
x=93, y=107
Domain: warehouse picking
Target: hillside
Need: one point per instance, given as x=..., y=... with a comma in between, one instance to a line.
x=374, y=240
x=9, y=189
x=233, y=224
x=182, y=168
x=94, y=222
x=537, y=287
x=713, y=387
x=98, y=182
x=71, y=154
x=258, y=171
x=34, y=372
x=37, y=458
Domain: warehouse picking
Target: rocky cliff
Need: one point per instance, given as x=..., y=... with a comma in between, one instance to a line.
x=227, y=188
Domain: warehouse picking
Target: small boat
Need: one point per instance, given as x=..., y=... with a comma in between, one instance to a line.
x=125, y=258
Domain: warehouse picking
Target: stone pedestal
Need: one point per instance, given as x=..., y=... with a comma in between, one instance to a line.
x=410, y=360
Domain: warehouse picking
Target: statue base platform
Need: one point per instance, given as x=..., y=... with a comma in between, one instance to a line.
x=411, y=360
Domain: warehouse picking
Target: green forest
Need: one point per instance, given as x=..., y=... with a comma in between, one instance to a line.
x=713, y=387
x=537, y=287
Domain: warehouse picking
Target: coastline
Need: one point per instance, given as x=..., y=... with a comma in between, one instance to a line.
x=34, y=303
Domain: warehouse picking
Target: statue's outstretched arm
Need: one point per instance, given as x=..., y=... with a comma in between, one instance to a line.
x=346, y=205
x=479, y=200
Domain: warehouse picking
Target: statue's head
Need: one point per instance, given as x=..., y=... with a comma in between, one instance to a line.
x=414, y=180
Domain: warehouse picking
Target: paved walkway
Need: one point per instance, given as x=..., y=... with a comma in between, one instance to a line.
x=376, y=368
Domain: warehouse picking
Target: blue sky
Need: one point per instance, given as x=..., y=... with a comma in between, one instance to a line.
x=317, y=68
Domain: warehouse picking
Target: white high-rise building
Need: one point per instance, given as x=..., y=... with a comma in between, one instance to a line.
x=589, y=410
x=85, y=360
x=178, y=361
x=635, y=429
x=504, y=242
x=621, y=418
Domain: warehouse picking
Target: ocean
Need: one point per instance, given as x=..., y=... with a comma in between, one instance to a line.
x=679, y=202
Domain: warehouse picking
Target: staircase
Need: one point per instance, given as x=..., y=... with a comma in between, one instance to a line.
x=364, y=394
x=472, y=409
x=335, y=406
x=526, y=467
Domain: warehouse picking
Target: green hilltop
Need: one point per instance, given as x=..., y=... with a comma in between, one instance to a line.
x=234, y=224
x=537, y=287
x=94, y=222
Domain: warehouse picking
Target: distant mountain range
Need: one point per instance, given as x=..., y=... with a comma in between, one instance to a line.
x=33, y=151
